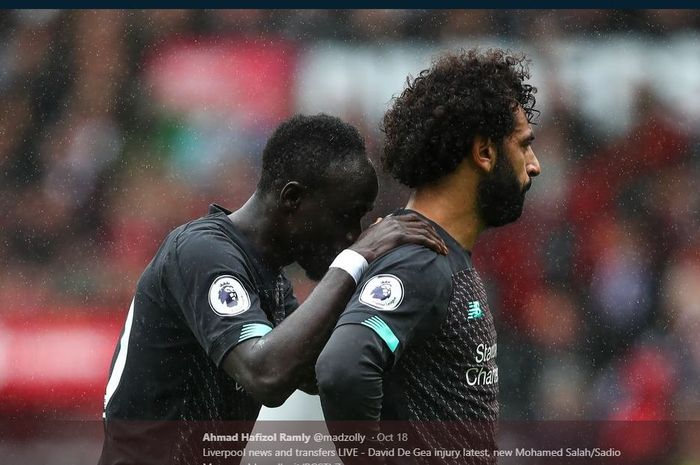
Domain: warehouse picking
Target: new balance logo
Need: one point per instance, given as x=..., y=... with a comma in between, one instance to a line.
x=474, y=310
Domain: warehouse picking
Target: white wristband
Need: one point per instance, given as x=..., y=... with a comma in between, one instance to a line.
x=352, y=262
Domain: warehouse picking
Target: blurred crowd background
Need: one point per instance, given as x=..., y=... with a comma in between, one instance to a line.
x=117, y=126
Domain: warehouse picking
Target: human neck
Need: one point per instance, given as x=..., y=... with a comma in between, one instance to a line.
x=451, y=203
x=259, y=221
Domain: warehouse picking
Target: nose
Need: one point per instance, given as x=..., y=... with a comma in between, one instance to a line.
x=533, y=166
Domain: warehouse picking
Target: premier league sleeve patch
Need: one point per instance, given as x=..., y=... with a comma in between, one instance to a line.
x=383, y=292
x=228, y=297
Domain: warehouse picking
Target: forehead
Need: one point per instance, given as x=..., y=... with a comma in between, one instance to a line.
x=350, y=188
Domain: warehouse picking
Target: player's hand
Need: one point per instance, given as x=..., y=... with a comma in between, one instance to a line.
x=393, y=231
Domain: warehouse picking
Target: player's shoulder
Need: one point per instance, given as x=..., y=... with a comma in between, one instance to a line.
x=413, y=257
x=412, y=268
x=205, y=238
x=409, y=277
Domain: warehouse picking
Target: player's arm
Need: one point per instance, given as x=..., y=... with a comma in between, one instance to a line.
x=307, y=382
x=271, y=367
x=349, y=372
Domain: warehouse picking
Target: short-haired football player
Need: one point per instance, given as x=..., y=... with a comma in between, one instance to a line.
x=214, y=331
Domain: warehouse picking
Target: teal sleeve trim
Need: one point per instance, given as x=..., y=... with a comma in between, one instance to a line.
x=383, y=331
x=252, y=330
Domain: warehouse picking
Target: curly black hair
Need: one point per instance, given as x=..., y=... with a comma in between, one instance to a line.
x=305, y=148
x=432, y=124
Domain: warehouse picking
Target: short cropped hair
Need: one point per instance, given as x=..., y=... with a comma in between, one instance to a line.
x=304, y=148
x=431, y=126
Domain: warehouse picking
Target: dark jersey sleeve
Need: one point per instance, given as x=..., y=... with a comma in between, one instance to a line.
x=402, y=296
x=213, y=286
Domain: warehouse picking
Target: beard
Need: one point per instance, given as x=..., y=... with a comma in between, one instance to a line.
x=500, y=197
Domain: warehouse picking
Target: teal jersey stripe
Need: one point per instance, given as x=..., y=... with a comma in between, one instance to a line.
x=383, y=331
x=252, y=330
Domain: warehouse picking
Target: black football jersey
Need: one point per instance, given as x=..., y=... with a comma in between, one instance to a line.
x=432, y=313
x=206, y=290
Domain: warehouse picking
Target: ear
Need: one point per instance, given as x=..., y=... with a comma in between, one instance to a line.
x=291, y=196
x=484, y=153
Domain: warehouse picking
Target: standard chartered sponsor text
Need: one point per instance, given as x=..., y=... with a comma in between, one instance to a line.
x=486, y=374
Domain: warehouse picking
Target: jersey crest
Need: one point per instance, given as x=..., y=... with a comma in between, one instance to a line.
x=228, y=297
x=383, y=292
